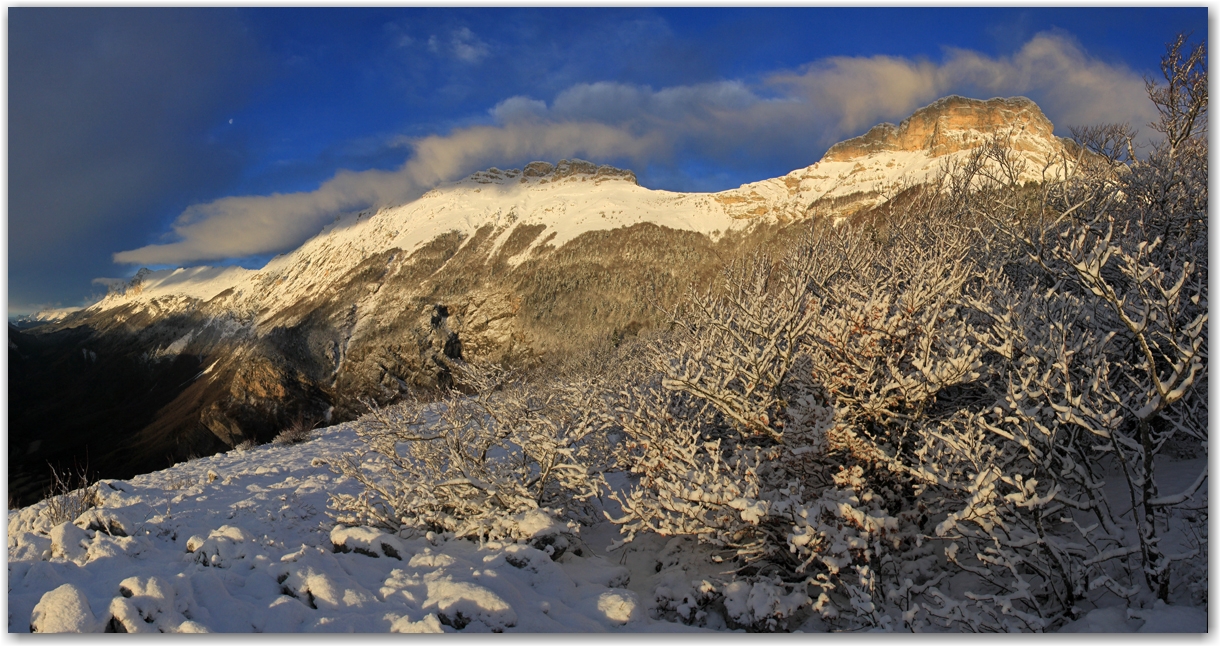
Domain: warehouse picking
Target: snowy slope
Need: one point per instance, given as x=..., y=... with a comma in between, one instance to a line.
x=241, y=542
x=202, y=283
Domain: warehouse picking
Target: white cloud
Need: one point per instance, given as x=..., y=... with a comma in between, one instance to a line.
x=1072, y=88
x=462, y=44
x=467, y=47
x=835, y=98
x=518, y=108
x=785, y=120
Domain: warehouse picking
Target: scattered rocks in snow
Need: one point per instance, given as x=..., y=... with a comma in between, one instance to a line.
x=525, y=557
x=222, y=547
x=619, y=606
x=248, y=568
x=105, y=520
x=429, y=624
x=153, y=604
x=315, y=577
x=367, y=541
x=543, y=532
x=458, y=603
x=28, y=546
x=243, y=564
x=113, y=485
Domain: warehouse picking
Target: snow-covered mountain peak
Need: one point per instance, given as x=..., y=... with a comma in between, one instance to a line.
x=864, y=171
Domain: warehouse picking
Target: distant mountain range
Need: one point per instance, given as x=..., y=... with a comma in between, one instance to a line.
x=511, y=265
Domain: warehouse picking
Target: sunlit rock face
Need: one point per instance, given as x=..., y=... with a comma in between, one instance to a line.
x=954, y=124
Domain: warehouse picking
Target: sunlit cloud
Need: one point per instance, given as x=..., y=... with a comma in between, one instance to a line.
x=789, y=116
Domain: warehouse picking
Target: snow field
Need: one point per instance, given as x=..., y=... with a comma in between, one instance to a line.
x=240, y=542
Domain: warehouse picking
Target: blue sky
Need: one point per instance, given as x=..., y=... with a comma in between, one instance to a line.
x=165, y=137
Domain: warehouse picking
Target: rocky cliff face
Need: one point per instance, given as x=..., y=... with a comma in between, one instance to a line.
x=955, y=124
x=508, y=265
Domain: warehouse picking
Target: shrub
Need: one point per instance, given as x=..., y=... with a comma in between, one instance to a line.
x=70, y=496
x=296, y=432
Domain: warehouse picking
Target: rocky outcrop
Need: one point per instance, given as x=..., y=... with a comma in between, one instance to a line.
x=577, y=169
x=954, y=124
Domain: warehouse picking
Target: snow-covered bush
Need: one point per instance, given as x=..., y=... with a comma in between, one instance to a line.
x=1095, y=367
x=474, y=464
x=778, y=393
x=245, y=445
x=1108, y=366
x=925, y=424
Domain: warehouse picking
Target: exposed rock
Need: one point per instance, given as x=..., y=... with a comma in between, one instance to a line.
x=863, y=172
x=220, y=425
x=537, y=169
x=67, y=541
x=564, y=169
x=105, y=520
x=951, y=125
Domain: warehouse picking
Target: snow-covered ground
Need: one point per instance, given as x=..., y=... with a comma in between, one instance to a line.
x=241, y=542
